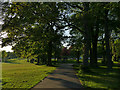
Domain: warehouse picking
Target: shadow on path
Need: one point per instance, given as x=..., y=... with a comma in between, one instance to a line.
x=63, y=77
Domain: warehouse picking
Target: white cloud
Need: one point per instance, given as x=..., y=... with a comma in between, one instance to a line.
x=7, y=49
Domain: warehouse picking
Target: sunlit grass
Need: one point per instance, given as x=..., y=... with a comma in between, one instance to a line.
x=22, y=74
x=100, y=77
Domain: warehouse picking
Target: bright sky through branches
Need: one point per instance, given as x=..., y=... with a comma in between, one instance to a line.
x=8, y=48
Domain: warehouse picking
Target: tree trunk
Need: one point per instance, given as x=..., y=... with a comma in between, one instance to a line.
x=93, y=62
x=78, y=56
x=91, y=54
x=107, y=37
x=55, y=56
x=87, y=40
x=43, y=59
x=49, y=53
x=38, y=61
x=104, y=54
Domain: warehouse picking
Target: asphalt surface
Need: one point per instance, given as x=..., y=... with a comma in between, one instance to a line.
x=62, y=77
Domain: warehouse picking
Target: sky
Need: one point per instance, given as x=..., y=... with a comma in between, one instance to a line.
x=7, y=48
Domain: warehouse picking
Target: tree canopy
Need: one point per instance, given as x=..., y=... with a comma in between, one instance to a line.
x=36, y=30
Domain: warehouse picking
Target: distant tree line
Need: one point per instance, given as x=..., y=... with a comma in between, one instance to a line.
x=7, y=55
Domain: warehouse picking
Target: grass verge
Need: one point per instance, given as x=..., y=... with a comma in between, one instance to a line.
x=99, y=77
x=22, y=74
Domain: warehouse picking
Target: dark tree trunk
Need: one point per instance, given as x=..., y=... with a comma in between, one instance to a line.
x=86, y=54
x=78, y=56
x=87, y=40
x=107, y=37
x=55, y=56
x=93, y=62
x=38, y=60
x=43, y=59
x=93, y=52
x=103, y=53
x=49, y=53
x=91, y=44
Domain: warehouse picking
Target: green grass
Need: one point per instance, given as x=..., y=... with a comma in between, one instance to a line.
x=22, y=74
x=100, y=77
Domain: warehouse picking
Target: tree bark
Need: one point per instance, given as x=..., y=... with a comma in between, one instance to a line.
x=87, y=40
x=38, y=61
x=103, y=53
x=49, y=53
x=78, y=56
x=43, y=59
x=93, y=62
x=93, y=52
x=107, y=37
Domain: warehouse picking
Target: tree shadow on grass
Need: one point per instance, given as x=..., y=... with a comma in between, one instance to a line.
x=100, y=81
x=102, y=76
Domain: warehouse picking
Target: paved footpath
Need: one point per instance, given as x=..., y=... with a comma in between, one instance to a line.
x=63, y=77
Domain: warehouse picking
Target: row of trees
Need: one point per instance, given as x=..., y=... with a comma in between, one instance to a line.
x=33, y=29
x=36, y=29
x=96, y=22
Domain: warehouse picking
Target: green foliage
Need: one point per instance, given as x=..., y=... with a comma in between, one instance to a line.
x=11, y=55
x=4, y=55
x=33, y=26
x=36, y=29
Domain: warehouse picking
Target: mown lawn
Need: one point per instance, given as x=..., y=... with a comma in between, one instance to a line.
x=22, y=74
x=100, y=77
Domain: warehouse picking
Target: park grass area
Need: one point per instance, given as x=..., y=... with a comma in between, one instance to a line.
x=99, y=77
x=22, y=74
